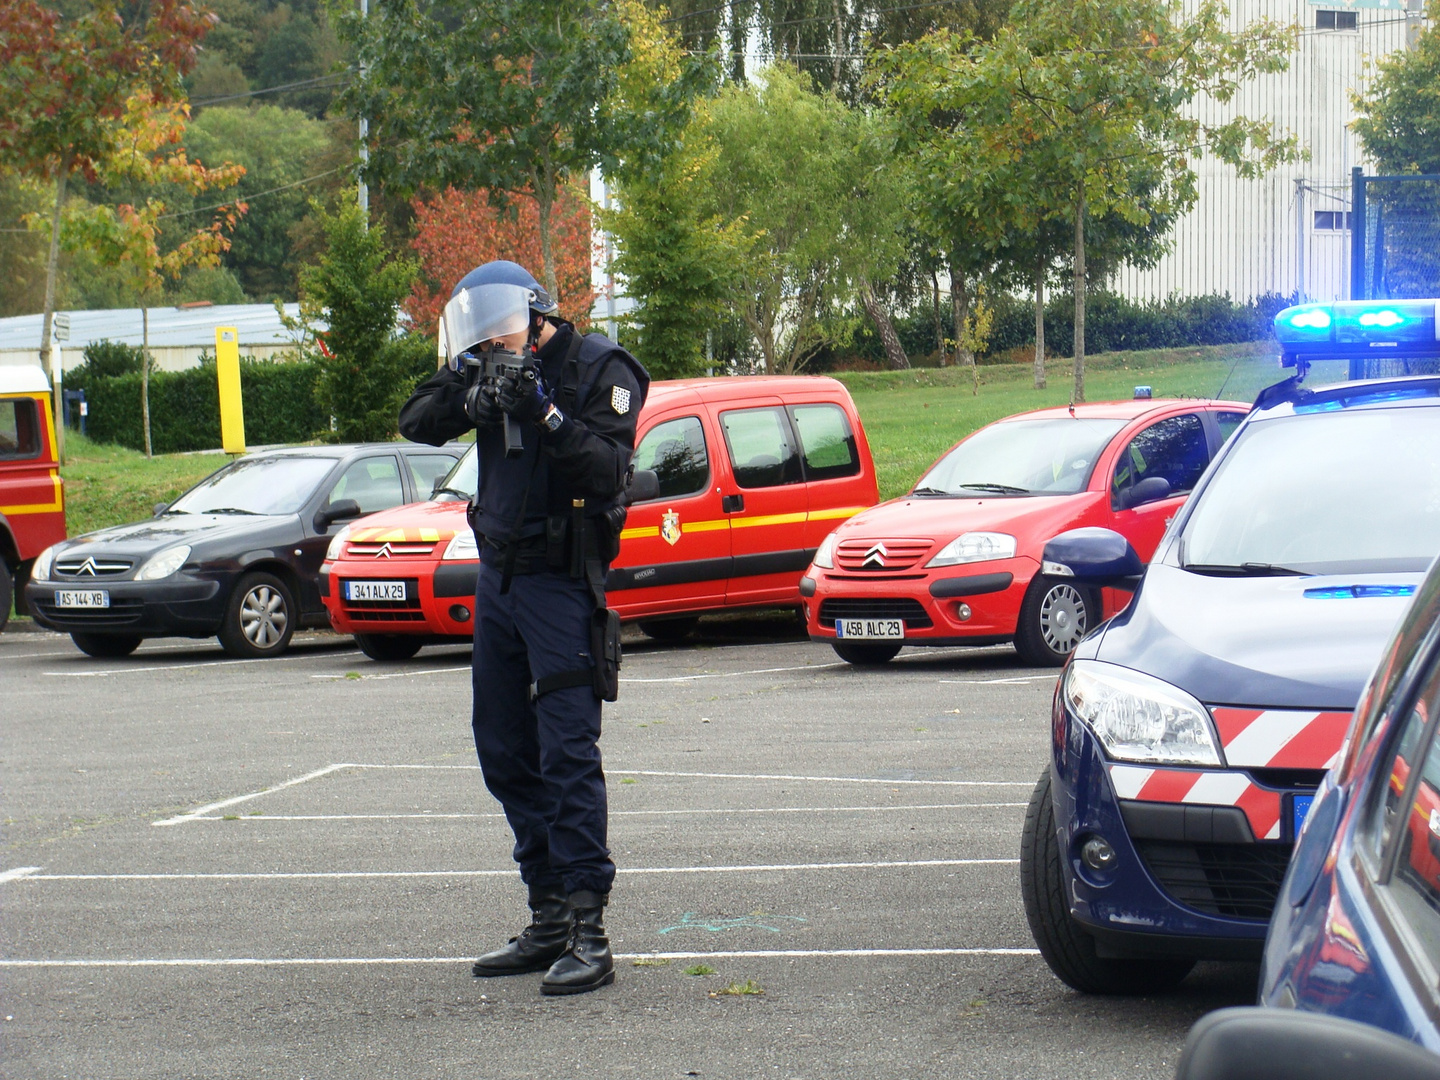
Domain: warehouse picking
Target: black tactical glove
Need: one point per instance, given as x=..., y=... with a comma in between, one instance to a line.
x=481, y=407
x=525, y=396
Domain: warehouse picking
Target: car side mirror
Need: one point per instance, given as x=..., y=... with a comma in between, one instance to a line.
x=1093, y=557
x=1151, y=489
x=644, y=485
x=160, y=508
x=1251, y=1043
x=343, y=510
x=435, y=487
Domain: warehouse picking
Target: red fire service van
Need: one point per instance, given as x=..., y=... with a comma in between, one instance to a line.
x=753, y=473
x=32, y=500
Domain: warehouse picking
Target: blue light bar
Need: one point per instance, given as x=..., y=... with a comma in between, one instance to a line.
x=1356, y=328
x=1359, y=592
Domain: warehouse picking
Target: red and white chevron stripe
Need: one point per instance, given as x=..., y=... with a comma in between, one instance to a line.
x=1280, y=738
x=1211, y=787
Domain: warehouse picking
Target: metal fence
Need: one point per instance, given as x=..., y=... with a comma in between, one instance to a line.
x=1395, y=239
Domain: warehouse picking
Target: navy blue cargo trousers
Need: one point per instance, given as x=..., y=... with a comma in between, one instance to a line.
x=541, y=759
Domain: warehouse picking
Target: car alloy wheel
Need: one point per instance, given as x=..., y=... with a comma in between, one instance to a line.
x=259, y=619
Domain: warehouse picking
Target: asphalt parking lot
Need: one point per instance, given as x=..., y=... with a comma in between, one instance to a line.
x=280, y=868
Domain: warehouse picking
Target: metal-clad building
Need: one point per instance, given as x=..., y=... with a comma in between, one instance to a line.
x=1287, y=232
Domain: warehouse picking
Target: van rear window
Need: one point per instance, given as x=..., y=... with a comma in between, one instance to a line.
x=19, y=429
x=826, y=442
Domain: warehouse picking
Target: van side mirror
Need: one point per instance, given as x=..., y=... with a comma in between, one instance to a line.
x=1093, y=557
x=342, y=510
x=1151, y=489
x=1250, y=1043
x=644, y=486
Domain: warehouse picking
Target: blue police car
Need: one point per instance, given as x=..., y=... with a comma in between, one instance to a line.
x=1356, y=930
x=1192, y=731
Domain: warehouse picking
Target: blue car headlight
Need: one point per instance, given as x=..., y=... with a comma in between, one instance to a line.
x=1137, y=717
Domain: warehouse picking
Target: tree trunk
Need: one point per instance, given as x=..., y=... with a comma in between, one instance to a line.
x=1040, y=323
x=738, y=38
x=839, y=41
x=960, y=304
x=935, y=309
x=1080, y=295
x=47, y=323
x=145, y=376
x=894, y=351
x=544, y=182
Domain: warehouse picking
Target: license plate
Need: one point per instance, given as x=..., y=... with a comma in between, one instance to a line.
x=374, y=590
x=869, y=628
x=1300, y=807
x=89, y=598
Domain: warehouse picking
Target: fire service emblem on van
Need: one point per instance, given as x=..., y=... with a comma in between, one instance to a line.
x=670, y=527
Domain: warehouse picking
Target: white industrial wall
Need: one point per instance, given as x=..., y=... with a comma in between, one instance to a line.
x=1250, y=237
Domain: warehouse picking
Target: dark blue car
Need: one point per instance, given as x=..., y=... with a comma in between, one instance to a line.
x=1356, y=931
x=1192, y=732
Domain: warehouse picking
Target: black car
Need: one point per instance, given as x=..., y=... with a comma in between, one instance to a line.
x=237, y=555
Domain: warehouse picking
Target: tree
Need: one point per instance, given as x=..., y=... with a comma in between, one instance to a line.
x=507, y=96
x=130, y=235
x=799, y=169
x=456, y=231
x=1080, y=109
x=366, y=370
x=278, y=149
x=64, y=89
x=1399, y=121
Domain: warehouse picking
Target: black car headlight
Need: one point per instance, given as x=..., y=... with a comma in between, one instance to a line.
x=1138, y=717
x=164, y=563
x=41, y=570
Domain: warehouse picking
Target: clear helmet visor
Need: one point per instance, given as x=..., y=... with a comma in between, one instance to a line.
x=482, y=313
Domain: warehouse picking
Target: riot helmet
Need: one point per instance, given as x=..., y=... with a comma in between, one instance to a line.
x=493, y=300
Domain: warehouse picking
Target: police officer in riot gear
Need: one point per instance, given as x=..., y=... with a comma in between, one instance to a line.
x=554, y=413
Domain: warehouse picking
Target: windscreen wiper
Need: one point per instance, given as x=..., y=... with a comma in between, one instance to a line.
x=231, y=510
x=930, y=491
x=452, y=491
x=1245, y=569
x=999, y=489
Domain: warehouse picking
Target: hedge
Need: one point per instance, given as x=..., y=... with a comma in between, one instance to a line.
x=1112, y=322
x=280, y=406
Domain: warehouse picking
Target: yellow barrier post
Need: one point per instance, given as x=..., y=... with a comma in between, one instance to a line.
x=227, y=370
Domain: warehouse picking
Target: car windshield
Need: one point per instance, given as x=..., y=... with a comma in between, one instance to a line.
x=461, y=481
x=1022, y=457
x=261, y=485
x=1337, y=492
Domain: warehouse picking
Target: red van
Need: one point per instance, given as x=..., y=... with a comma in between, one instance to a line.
x=753, y=473
x=32, y=499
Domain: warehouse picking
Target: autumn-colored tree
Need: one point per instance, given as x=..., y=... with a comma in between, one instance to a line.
x=457, y=231
x=151, y=160
x=65, y=85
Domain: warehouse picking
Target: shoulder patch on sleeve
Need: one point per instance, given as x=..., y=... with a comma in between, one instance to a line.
x=620, y=400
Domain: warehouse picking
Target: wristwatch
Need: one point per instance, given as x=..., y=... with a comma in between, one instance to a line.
x=551, y=418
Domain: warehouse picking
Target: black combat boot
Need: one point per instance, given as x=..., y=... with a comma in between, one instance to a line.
x=586, y=963
x=537, y=946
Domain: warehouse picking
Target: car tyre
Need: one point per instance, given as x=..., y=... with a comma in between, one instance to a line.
x=1055, y=615
x=669, y=629
x=389, y=646
x=107, y=646
x=260, y=618
x=866, y=653
x=1064, y=945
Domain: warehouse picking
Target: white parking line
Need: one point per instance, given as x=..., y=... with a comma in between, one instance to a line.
x=343, y=875
x=19, y=872
x=261, y=818
x=94, y=673
x=182, y=818
x=320, y=961
x=395, y=674
x=997, y=682
x=734, y=674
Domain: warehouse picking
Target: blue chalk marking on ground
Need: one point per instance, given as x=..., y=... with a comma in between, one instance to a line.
x=756, y=920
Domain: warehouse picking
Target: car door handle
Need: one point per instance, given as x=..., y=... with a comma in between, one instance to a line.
x=732, y=504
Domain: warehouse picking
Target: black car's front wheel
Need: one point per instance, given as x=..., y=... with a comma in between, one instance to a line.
x=260, y=618
x=1064, y=944
x=107, y=646
x=389, y=646
x=1055, y=615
